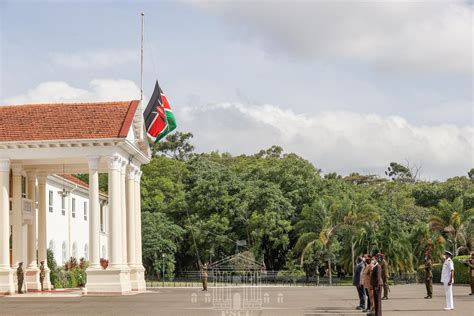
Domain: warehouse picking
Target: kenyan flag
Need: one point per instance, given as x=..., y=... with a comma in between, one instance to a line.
x=159, y=118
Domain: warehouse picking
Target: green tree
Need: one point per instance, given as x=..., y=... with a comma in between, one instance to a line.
x=454, y=222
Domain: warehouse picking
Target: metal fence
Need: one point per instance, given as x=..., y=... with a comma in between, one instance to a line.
x=267, y=278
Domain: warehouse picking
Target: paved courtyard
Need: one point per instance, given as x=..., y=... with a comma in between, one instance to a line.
x=405, y=300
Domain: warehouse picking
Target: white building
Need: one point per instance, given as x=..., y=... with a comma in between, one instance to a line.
x=67, y=219
x=40, y=141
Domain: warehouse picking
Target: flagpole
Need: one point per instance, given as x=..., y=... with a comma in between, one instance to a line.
x=141, y=62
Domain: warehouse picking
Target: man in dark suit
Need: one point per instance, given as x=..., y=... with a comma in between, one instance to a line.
x=377, y=283
x=357, y=282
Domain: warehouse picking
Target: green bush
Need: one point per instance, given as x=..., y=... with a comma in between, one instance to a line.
x=71, y=275
x=461, y=272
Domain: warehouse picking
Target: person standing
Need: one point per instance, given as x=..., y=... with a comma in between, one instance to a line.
x=357, y=282
x=384, y=266
x=428, y=276
x=42, y=274
x=447, y=278
x=470, y=265
x=204, y=276
x=366, y=283
x=376, y=283
x=20, y=275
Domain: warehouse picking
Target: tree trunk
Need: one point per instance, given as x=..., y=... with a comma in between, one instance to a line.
x=330, y=272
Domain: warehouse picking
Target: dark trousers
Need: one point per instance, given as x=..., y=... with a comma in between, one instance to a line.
x=429, y=287
x=361, y=292
x=368, y=298
x=378, y=301
x=385, y=287
x=472, y=284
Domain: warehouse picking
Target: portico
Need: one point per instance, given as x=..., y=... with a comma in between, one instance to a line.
x=83, y=138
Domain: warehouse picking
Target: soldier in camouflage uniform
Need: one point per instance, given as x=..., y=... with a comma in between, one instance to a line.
x=204, y=275
x=384, y=266
x=42, y=274
x=428, y=275
x=20, y=274
x=470, y=265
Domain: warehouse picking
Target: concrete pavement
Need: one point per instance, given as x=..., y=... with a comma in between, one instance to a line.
x=314, y=301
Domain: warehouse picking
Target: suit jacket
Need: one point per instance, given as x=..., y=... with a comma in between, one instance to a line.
x=356, y=280
x=376, y=277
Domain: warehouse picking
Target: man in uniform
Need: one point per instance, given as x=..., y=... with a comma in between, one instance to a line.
x=384, y=266
x=376, y=283
x=42, y=274
x=204, y=276
x=470, y=265
x=428, y=275
x=447, y=278
x=20, y=275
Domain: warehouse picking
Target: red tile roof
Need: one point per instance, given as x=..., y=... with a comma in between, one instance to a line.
x=63, y=121
x=76, y=180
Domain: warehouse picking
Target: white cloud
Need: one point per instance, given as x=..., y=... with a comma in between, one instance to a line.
x=60, y=91
x=333, y=140
x=428, y=36
x=94, y=60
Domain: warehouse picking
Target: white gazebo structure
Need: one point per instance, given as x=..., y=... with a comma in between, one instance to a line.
x=38, y=140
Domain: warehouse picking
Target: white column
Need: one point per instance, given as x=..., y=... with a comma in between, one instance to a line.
x=32, y=264
x=32, y=271
x=131, y=218
x=94, y=214
x=42, y=243
x=123, y=207
x=6, y=273
x=116, y=278
x=140, y=274
x=115, y=213
x=138, y=217
x=17, y=218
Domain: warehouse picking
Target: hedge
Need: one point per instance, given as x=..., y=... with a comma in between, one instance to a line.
x=461, y=272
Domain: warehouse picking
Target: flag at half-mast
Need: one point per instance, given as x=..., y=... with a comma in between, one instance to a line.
x=159, y=118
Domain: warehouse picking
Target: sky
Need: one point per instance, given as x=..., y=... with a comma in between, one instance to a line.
x=349, y=85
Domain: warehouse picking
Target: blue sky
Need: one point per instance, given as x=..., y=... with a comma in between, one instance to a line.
x=322, y=79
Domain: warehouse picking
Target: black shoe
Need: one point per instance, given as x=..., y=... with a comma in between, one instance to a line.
x=471, y=293
x=359, y=308
x=427, y=297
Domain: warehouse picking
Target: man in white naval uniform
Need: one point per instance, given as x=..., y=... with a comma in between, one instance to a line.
x=447, y=278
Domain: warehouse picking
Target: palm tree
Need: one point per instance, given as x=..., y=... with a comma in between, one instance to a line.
x=358, y=223
x=454, y=222
x=319, y=222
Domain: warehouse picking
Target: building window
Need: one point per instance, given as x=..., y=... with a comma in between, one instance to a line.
x=104, y=252
x=73, y=208
x=23, y=187
x=50, y=202
x=74, y=249
x=63, y=205
x=64, y=252
x=86, y=252
x=85, y=211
